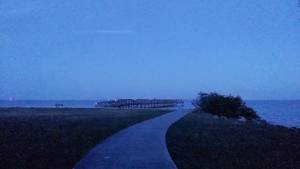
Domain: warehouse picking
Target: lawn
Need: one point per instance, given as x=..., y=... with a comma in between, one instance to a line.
x=202, y=141
x=48, y=138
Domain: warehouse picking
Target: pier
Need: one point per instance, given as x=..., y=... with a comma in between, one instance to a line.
x=140, y=103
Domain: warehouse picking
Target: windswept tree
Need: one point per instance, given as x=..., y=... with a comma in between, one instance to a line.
x=221, y=105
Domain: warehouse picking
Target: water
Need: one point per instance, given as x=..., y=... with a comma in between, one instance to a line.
x=284, y=112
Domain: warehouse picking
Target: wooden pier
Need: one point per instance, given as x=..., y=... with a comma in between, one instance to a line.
x=140, y=103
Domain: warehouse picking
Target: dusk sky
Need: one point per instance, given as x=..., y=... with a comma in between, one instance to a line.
x=101, y=49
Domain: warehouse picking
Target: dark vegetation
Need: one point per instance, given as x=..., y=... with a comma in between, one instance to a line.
x=221, y=105
x=45, y=138
x=200, y=140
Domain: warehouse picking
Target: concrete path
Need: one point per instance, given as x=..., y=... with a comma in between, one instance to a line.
x=141, y=146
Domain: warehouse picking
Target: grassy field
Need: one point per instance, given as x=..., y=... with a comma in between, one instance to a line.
x=201, y=141
x=46, y=138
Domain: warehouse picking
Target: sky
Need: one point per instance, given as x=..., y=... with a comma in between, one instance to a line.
x=106, y=49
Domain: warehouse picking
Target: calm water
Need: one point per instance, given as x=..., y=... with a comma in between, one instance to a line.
x=284, y=112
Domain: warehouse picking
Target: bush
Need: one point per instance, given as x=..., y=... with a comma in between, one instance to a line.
x=221, y=105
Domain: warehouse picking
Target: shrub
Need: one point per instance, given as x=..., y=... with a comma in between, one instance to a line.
x=221, y=105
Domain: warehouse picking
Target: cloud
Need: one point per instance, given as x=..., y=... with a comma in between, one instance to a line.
x=104, y=31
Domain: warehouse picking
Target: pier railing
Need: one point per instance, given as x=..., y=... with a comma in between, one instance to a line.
x=140, y=103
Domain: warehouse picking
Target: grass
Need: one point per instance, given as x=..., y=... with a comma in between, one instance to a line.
x=46, y=138
x=203, y=141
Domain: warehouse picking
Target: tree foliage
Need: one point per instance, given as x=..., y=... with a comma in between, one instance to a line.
x=221, y=105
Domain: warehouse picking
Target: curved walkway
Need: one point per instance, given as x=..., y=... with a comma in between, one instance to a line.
x=141, y=146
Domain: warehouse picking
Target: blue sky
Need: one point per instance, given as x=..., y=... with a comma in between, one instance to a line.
x=100, y=49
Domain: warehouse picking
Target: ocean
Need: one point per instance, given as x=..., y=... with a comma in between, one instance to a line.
x=280, y=112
